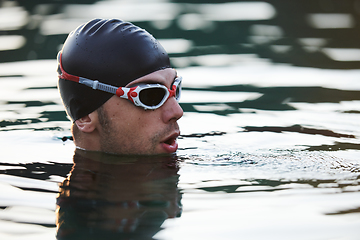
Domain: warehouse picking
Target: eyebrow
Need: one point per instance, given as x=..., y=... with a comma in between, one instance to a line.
x=152, y=81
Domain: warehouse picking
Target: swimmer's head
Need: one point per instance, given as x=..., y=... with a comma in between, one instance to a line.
x=110, y=51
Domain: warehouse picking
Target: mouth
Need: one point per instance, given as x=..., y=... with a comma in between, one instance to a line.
x=169, y=144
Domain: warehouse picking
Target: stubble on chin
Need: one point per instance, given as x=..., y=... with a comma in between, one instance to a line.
x=156, y=139
x=141, y=146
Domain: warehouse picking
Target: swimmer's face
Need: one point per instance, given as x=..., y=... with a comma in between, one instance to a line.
x=124, y=128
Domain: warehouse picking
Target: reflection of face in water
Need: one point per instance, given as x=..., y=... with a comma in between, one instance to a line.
x=108, y=196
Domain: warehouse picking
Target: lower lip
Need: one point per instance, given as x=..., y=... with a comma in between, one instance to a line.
x=170, y=148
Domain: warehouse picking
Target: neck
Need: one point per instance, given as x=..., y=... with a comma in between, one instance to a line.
x=86, y=141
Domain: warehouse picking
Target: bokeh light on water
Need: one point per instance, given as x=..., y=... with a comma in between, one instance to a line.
x=270, y=135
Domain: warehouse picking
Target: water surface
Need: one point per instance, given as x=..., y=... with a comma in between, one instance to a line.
x=269, y=144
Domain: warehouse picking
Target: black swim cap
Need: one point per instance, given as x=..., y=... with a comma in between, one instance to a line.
x=108, y=50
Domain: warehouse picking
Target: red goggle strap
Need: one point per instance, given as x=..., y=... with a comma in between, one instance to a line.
x=65, y=75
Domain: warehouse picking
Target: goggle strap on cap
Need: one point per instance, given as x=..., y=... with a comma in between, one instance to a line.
x=63, y=74
x=128, y=93
x=94, y=84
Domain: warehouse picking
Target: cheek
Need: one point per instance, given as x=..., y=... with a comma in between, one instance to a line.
x=137, y=123
x=131, y=120
x=145, y=122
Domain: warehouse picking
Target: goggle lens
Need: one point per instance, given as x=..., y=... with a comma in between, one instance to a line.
x=152, y=96
x=178, y=91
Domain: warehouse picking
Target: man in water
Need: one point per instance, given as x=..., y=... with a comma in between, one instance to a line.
x=119, y=89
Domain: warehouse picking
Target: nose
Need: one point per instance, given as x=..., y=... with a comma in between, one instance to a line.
x=171, y=110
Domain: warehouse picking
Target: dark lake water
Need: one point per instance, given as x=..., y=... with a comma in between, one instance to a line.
x=270, y=137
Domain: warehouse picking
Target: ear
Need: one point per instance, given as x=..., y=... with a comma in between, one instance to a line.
x=87, y=124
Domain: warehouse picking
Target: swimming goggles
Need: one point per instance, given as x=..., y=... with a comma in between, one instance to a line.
x=147, y=96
